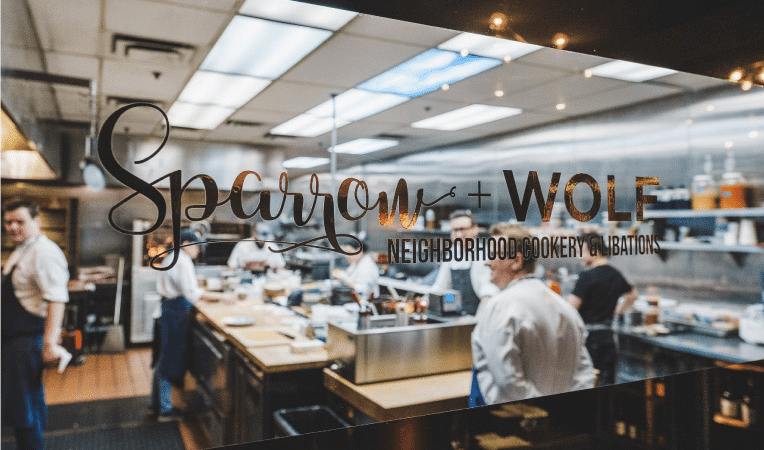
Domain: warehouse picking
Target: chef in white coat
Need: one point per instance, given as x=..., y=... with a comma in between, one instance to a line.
x=363, y=273
x=528, y=341
x=255, y=254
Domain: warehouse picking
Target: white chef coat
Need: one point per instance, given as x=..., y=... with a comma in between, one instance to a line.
x=180, y=280
x=41, y=274
x=364, y=277
x=245, y=251
x=529, y=342
x=480, y=275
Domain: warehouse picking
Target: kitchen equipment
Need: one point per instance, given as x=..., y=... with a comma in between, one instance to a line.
x=114, y=340
x=752, y=324
x=388, y=352
x=747, y=232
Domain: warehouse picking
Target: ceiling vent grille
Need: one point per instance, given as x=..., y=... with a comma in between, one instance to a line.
x=138, y=49
x=397, y=137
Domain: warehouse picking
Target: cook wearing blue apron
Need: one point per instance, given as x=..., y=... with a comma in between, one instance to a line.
x=171, y=363
x=23, y=397
x=461, y=280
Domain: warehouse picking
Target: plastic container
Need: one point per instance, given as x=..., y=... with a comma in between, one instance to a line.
x=306, y=419
x=732, y=193
x=705, y=192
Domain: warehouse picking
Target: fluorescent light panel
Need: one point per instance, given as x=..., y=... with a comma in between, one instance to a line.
x=299, y=13
x=304, y=162
x=204, y=117
x=466, y=117
x=306, y=125
x=490, y=47
x=629, y=71
x=427, y=72
x=262, y=48
x=221, y=89
x=365, y=145
x=352, y=105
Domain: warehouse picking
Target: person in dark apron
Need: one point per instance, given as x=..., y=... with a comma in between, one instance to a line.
x=596, y=296
x=179, y=289
x=470, y=277
x=24, y=333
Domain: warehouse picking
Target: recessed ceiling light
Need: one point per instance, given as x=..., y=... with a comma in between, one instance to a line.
x=560, y=106
x=729, y=144
x=629, y=71
x=304, y=162
x=221, y=89
x=737, y=75
x=365, y=145
x=298, y=13
x=427, y=72
x=489, y=47
x=466, y=117
x=203, y=117
x=262, y=48
x=753, y=134
x=746, y=85
x=588, y=73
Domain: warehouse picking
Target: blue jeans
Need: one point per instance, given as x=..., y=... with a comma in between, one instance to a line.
x=161, y=392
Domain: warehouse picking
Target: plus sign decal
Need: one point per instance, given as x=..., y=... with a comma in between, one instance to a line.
x=479, y=194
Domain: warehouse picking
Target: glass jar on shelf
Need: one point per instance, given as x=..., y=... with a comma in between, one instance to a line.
x=732, y=193
x=705, y=192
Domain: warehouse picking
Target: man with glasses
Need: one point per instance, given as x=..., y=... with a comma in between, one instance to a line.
x=471, y=278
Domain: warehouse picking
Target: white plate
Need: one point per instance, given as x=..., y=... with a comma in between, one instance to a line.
x=239, y=321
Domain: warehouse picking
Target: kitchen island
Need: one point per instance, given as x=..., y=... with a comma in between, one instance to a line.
x=243, y=372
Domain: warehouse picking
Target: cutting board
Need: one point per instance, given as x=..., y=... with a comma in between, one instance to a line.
x=252, y=337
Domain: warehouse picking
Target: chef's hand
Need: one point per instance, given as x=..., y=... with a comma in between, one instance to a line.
x=51, y=352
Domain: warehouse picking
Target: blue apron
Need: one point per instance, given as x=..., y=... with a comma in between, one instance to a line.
x=173, y=328
x=476, y=397
x=462, y=282
x=23, y=397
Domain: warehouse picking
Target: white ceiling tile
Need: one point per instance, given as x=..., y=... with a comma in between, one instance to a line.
x=346, y=61
x=290, y=97
x=513, y=77
x=131, y=80
x=561, y=90
x=215, y=5
x=135, y=128
x=562, y=60
x=164, y=21
x=416, y=109
x=627, y=95
x=692, y=81
x=55, y=22
x=238, y=133
x=72, y=65
x=398, y=31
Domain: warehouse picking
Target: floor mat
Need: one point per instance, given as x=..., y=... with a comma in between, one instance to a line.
x=119, y=424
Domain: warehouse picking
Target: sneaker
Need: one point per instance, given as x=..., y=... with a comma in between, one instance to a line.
x=170, y=416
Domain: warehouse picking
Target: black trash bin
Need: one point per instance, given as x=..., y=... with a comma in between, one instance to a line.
x=306, y=419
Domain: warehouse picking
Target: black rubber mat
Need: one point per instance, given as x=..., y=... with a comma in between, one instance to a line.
x=119, y=424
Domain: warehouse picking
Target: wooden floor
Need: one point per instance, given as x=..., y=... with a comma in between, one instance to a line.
x=101, y=377
x=110, y=376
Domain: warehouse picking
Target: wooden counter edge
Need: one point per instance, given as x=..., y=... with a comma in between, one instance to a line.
x=246, y=350
x=348, y=392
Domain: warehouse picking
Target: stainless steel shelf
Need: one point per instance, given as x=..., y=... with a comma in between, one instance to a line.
x=701, y=247
x=695, y=213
